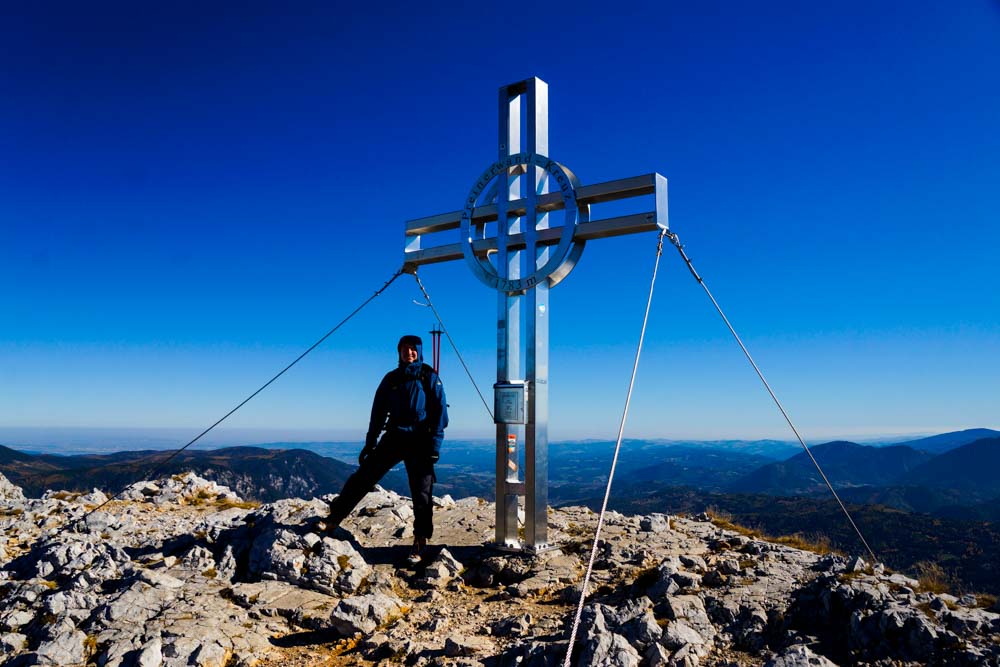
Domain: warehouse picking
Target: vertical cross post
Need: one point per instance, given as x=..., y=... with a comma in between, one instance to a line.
x=523, y=105
x=508, y=321
x=536, y=437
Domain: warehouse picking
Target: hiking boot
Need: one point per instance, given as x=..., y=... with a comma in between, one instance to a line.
x=315, y=525
x=418, y=552
x=324, y=527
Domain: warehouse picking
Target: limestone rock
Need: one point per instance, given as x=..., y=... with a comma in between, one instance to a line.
x=365, y=613
x=9, y=491
x=609, y=649
x=303, y=607
x=654, y=523
x=198, y=559
x=68, y=648
x=151, y=653
x=12, y=642
x=656, y=656
x=691, y=610
x=799, y=656
x=100, y=522
x=381, y=647
x=456, y=645
x=444, y=501
x=329, y=566
x=512, y=626
x=441, y=570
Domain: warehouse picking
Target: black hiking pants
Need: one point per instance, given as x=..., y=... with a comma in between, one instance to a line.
x=414, y=451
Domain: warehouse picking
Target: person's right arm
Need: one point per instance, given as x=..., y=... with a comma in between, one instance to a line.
x=380, y=411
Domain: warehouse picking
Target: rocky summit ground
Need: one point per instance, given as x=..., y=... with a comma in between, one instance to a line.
x=181, y=571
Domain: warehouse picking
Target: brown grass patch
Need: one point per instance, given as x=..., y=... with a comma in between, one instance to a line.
x=90, y=646
x=985, y=600
x=724, y=520
x=819, y=544
x=932, y=578
x=224, y=503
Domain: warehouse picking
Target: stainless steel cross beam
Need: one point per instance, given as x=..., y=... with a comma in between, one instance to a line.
x=636, y=186
x=508, y=234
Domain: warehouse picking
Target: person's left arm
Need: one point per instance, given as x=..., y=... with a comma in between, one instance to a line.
x=437, y=416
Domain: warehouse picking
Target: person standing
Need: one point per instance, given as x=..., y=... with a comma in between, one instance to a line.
x=409, y=406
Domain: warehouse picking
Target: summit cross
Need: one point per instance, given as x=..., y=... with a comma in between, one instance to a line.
x=515, y=243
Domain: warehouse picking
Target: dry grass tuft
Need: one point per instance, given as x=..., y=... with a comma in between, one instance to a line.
x=932, y=578
x=345, y=645
x=819, y=544
x=724, y=520
x=224, y=503
x=985, y=600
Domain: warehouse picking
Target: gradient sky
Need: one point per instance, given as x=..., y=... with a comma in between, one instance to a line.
x=192, y=193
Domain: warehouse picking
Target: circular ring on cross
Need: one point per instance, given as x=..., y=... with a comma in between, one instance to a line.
x=562, y=251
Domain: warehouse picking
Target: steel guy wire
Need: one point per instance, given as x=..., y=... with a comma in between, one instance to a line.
x=614, y=459
x=680, y=249
x=29, y=478
x=264, y=386
x=451, y=341
x=175, y=453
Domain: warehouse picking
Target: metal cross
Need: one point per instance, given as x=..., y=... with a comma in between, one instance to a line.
x=515, y=242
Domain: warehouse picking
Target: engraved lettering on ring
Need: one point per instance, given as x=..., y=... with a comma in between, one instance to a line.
x=482, y=267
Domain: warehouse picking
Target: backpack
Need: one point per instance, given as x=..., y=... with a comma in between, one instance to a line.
x=426, y=371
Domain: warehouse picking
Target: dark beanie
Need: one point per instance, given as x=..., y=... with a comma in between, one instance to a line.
x=410, y=339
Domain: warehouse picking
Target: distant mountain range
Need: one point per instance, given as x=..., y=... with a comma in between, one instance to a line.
x=898, y=475
x=971, y=468
x=253, y=472
x=844, y=463
x=939, y=444
x=929, y=474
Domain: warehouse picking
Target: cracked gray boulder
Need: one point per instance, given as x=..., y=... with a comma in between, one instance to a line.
x=441, y=570
x=690, y=610
x=10, y=492
x=799, y=656
x=88, y=555
x=323, y=564
x=457, y=645
x=365, y=613
x=67, y=648
x=608, y=649
x=616, y=636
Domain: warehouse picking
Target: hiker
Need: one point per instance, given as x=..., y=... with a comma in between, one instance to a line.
x=410, y=407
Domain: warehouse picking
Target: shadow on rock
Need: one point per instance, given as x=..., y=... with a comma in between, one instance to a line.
x=308, y=638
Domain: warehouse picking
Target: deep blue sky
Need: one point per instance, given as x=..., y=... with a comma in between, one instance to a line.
x=191, y=193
